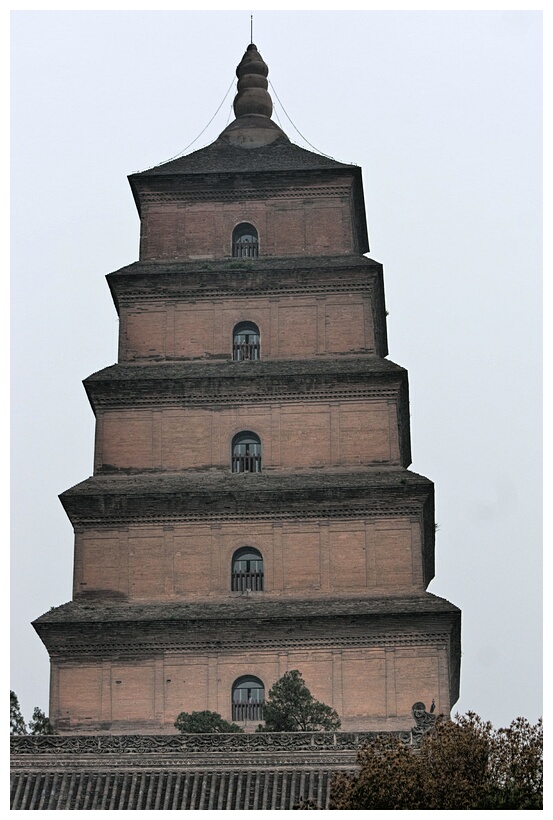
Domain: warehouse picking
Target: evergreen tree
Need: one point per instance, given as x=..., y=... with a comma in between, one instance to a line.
x=17, y=723
x=40, y=724
x=290, y=707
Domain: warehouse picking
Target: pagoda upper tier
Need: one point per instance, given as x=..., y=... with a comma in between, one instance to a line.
x=254, y=160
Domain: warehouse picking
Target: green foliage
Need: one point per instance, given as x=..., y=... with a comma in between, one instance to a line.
x=290, y=707
x=17, y=722
x=204, y=722
x=516, y=767
x=462, y=764
x=40, y=724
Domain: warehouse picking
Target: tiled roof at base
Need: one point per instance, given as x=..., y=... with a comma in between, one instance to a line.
x=105, y=772
x=165, y=790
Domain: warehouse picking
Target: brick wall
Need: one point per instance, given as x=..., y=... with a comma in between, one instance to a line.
x=290, y=327
x=371, y=688
x=193, y=561
x=307, y=224
x=293, y=436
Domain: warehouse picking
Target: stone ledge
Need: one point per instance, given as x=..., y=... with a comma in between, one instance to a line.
x=250, y=608
x=284, y=264
x=187, y=744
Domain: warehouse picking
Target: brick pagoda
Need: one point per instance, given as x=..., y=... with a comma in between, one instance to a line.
x=251, y=509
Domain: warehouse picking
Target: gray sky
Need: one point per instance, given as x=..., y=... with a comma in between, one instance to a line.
x=443, y=112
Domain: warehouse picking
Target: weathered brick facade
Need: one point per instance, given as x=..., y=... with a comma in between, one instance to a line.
x=345, y=532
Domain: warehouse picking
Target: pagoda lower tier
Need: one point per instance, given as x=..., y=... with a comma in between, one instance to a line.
x=119, y=667
x=157, y=625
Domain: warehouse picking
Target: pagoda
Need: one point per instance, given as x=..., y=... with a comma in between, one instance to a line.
x=251, y=510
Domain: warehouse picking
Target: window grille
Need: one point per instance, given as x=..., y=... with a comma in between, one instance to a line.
x=245, y=241
x=245, y=342
x=248, y=698
x=246, y=453
x=247, y=570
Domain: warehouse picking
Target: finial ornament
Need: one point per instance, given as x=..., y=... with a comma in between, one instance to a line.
x=252, y=96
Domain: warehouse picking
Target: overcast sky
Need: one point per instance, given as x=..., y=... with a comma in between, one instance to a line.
x=443, y=112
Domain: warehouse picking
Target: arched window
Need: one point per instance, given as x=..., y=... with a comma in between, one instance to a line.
x=248, y=697
x=247, y=570
x=246, y=453
x=245, y=241
x=245, y=342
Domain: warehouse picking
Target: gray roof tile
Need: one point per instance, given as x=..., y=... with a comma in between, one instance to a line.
x=222, y=157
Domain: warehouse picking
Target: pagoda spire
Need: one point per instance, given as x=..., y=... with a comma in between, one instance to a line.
x=253, y=96
x=253, y=107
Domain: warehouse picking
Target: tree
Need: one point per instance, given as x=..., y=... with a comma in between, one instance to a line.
x=40, y=724
x=203, y=723
x=516, y=766
x=290, y=707
x=17, y=722
x=462, y=764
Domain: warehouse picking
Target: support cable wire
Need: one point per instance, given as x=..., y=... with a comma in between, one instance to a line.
x=275, y=112
x=299, y=132
x=180, y=153
x=230, y=113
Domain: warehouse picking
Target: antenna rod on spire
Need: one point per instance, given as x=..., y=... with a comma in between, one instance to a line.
x=251, y=28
